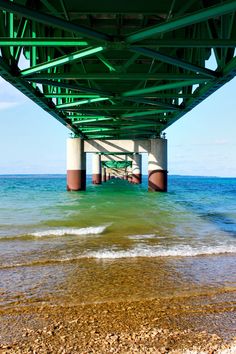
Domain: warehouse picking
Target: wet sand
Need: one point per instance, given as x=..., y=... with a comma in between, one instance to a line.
x=202, y=323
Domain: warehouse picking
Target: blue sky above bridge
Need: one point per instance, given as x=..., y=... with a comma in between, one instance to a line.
x=201, y=143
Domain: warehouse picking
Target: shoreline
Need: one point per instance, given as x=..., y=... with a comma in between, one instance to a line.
x=176, y=325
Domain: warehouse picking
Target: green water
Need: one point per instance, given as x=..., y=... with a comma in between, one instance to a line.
x=114, y=241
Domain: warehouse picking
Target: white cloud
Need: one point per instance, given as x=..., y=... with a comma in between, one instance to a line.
x=6, y=105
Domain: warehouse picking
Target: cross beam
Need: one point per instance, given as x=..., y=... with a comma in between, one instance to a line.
x=53, y=21
x=183, y=21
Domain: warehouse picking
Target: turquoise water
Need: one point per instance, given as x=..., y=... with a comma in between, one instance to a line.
x=115, y=240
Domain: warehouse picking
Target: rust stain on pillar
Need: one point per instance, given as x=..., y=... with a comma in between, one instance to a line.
x=76, y=165
x=76, y=180
x=157, y=181
x=137, y=178
x=104, y=175
x=96, y=178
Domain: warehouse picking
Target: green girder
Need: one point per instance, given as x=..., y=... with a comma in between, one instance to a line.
x=116, y=164
x=117, y=69
x=202, y=15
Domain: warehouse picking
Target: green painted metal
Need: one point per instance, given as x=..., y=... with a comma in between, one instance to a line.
x=218, y=10
x=121, y=76
x=69, y=95
x=188, y=43
x=79, y=103
x=151, y=89
x=62, y=60
x=174, y=61
x=117, y=164
x=90, y=120
x=42, y=42
x=71, y=86
x=51, y=20
x=145, y=113
x=159, y=43
x=117, y=69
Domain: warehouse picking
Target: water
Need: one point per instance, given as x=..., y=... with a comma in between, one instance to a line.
x=114, y=241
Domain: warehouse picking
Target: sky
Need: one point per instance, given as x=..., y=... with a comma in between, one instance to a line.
x=201, y=143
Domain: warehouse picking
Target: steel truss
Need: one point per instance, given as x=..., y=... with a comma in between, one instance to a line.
x=117, y=70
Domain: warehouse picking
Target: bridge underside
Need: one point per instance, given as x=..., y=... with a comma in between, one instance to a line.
x=117, y=70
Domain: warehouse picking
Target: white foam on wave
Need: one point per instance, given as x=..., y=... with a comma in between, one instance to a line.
x=92, y=230
x=159, y=251
x=142, y=237
x=180, y=251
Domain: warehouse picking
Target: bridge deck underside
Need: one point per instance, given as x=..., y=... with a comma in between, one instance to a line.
x=117, y=70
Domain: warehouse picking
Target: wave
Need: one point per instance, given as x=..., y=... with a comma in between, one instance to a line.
x=142, y=237
x=153, y=251
x=137, y=252
x=91, y=230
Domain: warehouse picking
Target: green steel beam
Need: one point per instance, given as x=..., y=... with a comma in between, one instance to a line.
x=74, y=87
x=83, y=116
x=106, y=62
x=106, y=76
x=86, y=121
x=115, y=125
x=36, y=96
x=69, y=42
x=130, y=61
x=78, y=103
x=52, y=21
x=230, y=68
x=70, y=95
x=42, y=42
x=145, y=113
x=174, y=61
x=188, y=43
x=99, y=136
x=173, y=85
x=114, y=108
x=151, y=95
x=154, y=103
x=65, y=59
x=23, y=24
x=97, y=130
x=126, y=127
x=183, y=21
x=167, y=95
x=119, y=76
x=229, y=73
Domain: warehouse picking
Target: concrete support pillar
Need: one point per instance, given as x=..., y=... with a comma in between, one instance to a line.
x=129, y=170
x=125, y=176
x=104, y=174
x=157, y=165
x=96, y=169
x=137, y=169
x=76, y=165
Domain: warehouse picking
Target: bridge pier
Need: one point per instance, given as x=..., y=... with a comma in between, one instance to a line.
x=137, y=168
x=104, y=174
x=132, y=149
x=157, y=165
x=129, y=170
x=96, y=169
x=76, y=165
